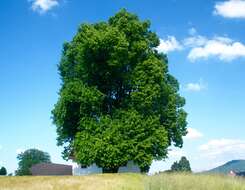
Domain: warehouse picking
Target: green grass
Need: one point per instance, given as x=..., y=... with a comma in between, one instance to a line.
x=124, y=182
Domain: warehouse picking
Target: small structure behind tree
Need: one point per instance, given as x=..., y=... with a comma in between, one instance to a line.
x=131, y=167
x=50, y=169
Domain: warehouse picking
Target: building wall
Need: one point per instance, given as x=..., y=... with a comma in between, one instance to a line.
x=47, y=169
x=78, y=171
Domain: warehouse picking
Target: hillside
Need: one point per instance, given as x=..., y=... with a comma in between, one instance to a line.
x=234, y=165
x=124, y=182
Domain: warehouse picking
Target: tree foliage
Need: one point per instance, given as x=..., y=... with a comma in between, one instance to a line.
x=118, y=101
x=3, y=171
x=182, y=166
x=29, y=158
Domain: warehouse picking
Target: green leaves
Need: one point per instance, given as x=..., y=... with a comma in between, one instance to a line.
x=118, y=101
x=77, y=101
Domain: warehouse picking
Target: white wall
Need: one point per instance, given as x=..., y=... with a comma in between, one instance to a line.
x=130, y=168
x=78, y=171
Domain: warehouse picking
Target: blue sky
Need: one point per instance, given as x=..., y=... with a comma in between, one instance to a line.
x=205, y=44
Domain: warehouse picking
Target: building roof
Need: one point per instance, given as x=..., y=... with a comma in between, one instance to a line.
x=45, y=169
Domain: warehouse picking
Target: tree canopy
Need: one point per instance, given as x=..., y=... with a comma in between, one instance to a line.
x=182, y=166
x=118, y=101
x=3, y=171
x=29, y=158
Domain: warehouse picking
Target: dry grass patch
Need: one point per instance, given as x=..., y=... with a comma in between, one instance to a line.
x=92, y=182
x=124, y=182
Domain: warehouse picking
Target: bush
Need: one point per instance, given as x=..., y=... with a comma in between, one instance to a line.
x=3, y=171
x=182, y=166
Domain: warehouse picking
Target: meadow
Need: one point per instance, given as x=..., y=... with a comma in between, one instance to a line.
x=124, y=182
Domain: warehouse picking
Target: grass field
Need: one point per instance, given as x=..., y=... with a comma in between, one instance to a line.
x=124, y=182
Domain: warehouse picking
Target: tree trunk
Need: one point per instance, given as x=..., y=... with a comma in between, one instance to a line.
x=110, y=170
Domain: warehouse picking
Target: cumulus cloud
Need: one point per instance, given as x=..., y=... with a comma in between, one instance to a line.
x=230, y=9
x=224, y=148
x=194, y=41
x=202, y=47
x=43, y=6
x=221, y=47
x=176, y=153
x=193, y=134
x=168, y=45
x=195, y=87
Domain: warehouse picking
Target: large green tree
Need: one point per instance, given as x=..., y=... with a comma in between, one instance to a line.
x=29, y=158
x=118, y=101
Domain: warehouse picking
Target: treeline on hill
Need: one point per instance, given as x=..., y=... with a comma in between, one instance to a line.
x=236, y=166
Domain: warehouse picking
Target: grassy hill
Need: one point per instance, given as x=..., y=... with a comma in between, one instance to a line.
x=235, y=165
x=124, y=182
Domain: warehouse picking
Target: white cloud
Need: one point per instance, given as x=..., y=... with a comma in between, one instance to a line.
x=194, y=41
x=195, y=87
x=43, y=6
x=20, y=150
x=176, y=153
x=202, y=47
x=193, y=134
x=1, y=147
x=192, y=31
x=230, y=9
x=224, y=48
x=168, y=45
x=224, y=148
